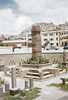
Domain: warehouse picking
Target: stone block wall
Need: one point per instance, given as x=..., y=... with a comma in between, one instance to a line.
x=25, y=56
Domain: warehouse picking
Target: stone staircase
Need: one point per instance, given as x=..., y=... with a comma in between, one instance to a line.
x=47, y=74
x=62, y=71
x=35, y=74
x=32, y=74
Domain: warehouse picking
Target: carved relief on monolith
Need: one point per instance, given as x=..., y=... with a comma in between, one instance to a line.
x=36, y=42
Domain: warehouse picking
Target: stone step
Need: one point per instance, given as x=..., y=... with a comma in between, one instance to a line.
x=48, y=76
x=34, y=71
x=46, y=73
x=60, y=69
x=32, y=74
x=34, y=77
x=63, y=71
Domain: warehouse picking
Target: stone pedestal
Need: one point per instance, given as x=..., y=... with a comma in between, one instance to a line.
x=1, y=93
x=26, y=84
x=31, y=82
x=13, y=77
x=14, y=92
x=6, y=87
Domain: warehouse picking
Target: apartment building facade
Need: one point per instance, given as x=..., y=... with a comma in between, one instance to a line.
x=57, y=38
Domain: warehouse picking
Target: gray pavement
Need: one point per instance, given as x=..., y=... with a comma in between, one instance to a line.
x=47, y=92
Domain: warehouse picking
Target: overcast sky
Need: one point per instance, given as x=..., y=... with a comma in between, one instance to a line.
x=17, y=15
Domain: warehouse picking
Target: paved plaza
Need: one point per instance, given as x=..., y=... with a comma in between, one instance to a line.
x=47, y=92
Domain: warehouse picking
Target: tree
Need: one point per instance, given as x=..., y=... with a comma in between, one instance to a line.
x=47, y=42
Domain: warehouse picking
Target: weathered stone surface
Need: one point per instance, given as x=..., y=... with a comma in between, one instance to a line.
x=6, y=87
x=1, y=93
x=31, y=84
x=26, y=84
x=13, y=77
x=64, y=56
x=14, y=92
x=36, y=42
x=35, y=28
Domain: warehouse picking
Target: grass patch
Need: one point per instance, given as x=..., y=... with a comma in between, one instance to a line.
x=6, y=97
x=33, y=94
x=62, y=87
x=66, y=79
x=30, y=95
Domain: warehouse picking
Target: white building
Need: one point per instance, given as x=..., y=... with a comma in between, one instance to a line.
x=14, y=42
x=52, y=37
x=58, y=38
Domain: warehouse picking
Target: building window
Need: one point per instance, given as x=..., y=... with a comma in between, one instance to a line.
x=45, y=39
x=60, y=33
x=65, y=37
x=6, y=44
x=51, y=43
x=30, y=39
x=56, y=38
x=65, y=33
x=62, y=37
x=51, y=39
x=56, y=33
x=45, y=34
x=62, y=43
x=51, y=34
x=57, y=44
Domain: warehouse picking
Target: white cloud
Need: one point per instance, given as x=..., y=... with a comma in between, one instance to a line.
x=45, y=10
x=34, y=11
x=11, y=24
x=7, y=20
x=23, y=22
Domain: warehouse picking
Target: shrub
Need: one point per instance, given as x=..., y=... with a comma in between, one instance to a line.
x=41, y=60
x=62, y=66
x=1, y=81
x=1, y=44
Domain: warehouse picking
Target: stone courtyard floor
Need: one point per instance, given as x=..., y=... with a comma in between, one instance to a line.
x=47, y=92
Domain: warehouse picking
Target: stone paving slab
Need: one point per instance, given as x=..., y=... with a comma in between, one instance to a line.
x=64, y=98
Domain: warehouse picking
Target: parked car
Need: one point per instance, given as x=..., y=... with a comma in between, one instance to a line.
x=52, y=47
x=42, y=46
x=65, y=47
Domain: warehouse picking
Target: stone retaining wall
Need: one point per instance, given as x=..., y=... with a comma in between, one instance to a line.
x=18, y=56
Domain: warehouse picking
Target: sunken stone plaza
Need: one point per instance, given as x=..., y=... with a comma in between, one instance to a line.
x=28, y=68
